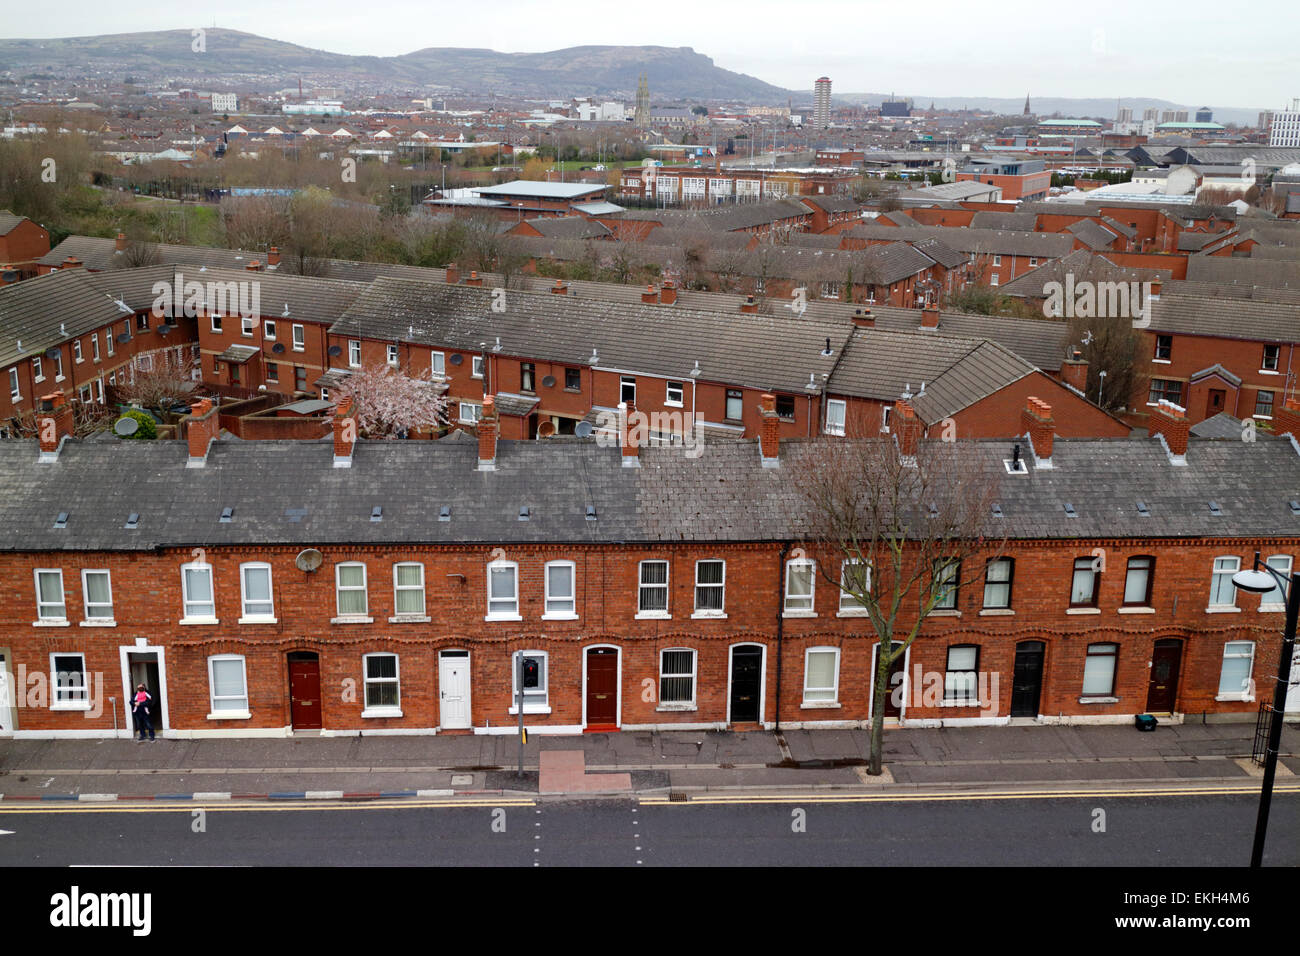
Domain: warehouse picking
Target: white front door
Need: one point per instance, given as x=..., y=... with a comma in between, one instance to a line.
x=453, y=687
x=7, y=696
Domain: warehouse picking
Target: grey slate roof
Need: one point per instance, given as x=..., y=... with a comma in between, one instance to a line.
x=46, y=310
x=1049, y=245
x=1236, y=270
x=1222, y=317
x=1014, y=221
x=1092, y=234
x=761, y=351
x=722, y=495
x=1083, y=264
x=569, y=227
x=9, y=221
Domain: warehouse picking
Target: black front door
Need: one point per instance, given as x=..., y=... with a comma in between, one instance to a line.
x=1027, y=682
x=1162, y=691
x=746, y=679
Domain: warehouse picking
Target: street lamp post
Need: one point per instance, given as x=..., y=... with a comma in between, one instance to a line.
x=1261, y=579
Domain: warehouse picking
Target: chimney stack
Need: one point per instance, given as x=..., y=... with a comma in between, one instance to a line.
x=254, y=266
x=1036, y=419
x=864, y=319
x=769, y=441
x=71, y=262
x=668, y=294
x=120, y=244
x=650, y=296
x=453, y=274
x=560, y=288
x=1286, y=419
x=202, y=428
x=930, y=317
x=487, y=435
x=1074, y=371
x=749, y=306
x=474, y=279
x=345, y=432
x=907, y=428
x=273, y=257
x=1169, y=423
x=54, y=424
x=631, y=451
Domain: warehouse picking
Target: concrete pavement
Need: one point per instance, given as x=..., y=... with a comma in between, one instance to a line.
x=646, y=762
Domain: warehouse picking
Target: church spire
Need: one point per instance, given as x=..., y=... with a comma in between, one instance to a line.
x=1027, y=112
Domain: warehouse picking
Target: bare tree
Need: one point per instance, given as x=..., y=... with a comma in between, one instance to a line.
x=165, y=384
x=897, y=529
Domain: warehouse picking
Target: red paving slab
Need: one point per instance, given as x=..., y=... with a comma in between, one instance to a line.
x=564, y=771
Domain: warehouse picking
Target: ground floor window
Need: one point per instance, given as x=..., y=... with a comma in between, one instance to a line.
x=821, y=675
x=381, y=683
x=1099, y=670
x=228, y=685
x=677, y=676
x=1234, y=678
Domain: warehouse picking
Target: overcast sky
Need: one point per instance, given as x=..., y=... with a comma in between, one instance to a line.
x=1193, y=51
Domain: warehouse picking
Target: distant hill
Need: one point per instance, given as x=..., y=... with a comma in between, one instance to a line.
x=1066, y=106
x=235, y=57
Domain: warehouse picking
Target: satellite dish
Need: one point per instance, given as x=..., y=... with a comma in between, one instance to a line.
x=164, y=329
x=124, y=338
x=456, y=359
x=549, y=381
x=546, y=429
x=52, y=352
x=583, y=429
x=126, y=426
x=9, y=275
x=335, y=351
x=277, y=348
x=308, y=560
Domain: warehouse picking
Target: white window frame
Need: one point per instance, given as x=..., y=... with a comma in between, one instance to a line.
x=798, y=609
x=247, y=326
x=561, y=607
x=38, y=370
x=109, y=344
x=76, y=351
x=833, y=689
x=954, y=694
x=476, y=366
x=642, y=588
x=510, y=610
x=835, y=422
x=1282, y=564
x=256, y=617
x=214, y=321
x=94, y=347
x=721, y=587
x=380, y=710
x=393, y=355
x=677, y=388
x=15, y=387
x=268, y=329
x=42, y=617
x=626, y=382
x=187, y=604
x=351, y=617
x=299, y=334
x=678, y=675
x=99, y=619
x=438, y=364
x=354, y=353
x=849, y=605
x=1247, y=691
x=540, y=696
x=228, y=713
x=1232, y=564
x=470, y=413
x=398, y=614
x=68, y=696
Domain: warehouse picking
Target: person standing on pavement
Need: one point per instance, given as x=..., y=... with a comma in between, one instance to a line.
x=142, y=710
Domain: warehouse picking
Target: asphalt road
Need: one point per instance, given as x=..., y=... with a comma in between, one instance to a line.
x=1200, y=830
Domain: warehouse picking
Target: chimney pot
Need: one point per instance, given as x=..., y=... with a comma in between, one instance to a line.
x=54, y=424
x=907, y=427
x=650, y=296
x=749, y=306
x=668, y=294
x=120, y=243
x=254, y=266
x=930, y=317
x=273, y=257
x=1037, y=421
x=474, y=279
x=453, y=274
x=560, y=288
x=1074, y=371
x=71, y=262
x=769, y=435
x=345, y=432
x=203, y=427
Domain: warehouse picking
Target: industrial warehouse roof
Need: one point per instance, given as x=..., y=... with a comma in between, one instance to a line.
x=289, y=493
x=540, y=190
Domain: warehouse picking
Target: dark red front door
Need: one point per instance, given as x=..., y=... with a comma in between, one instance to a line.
x=1163, y=689
x=304, y=694
x=602, y=687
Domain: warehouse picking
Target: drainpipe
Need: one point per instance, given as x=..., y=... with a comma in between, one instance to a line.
x=780, y=626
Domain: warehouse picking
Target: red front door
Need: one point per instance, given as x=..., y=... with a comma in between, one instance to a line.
x=602, y=687
x=304, y=694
